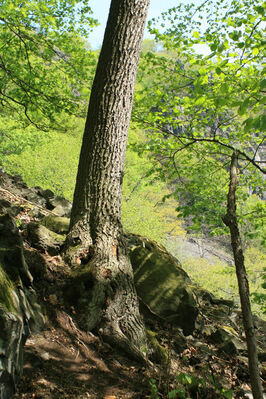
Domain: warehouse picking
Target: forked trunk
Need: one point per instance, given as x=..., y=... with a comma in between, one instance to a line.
x=230, y=220
x=96, y=216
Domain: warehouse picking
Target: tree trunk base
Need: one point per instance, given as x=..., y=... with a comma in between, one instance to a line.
x=108, y=302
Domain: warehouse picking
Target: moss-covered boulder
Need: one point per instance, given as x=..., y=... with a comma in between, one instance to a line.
x=162, y=284
x=19, y=310
x=57, y=224
x=40, y=237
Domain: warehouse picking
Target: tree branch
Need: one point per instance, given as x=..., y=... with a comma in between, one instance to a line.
x=195, y=139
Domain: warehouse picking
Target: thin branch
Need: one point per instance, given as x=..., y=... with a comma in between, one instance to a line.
x=244, y=49
x=23, y=105
x=213, y=141
x=18, y=34
x=199, y=7
x=258, y=149
x=177, y=172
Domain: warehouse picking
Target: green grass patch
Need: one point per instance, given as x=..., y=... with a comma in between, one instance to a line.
x=220, y=279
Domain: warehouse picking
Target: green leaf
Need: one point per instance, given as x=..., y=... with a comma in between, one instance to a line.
x=228, y=394
x=260, y=10
x=223, y=63
x=235, y=35
x=262, y=84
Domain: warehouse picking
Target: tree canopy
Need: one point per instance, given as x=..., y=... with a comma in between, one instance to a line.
x=44, y=62
x=198, y=108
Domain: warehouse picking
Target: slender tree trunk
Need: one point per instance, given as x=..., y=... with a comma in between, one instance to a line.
x=96, y=215
x=230, y=220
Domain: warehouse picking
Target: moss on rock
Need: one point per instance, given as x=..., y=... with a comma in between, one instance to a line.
x=57, y=224
x=41, y=237
x=162, y=284
x=158, y=352
x=9, y=300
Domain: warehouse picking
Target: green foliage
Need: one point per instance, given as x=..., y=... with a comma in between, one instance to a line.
x=196, y=190
x=148, y=45
x=53, y=164
x=44, y=62
x=198, y=109
x=251, y=214
x=190, y=386
x=15, y=139
x=232, y=33
x=154, y=390
x=220, y=278
x=143, y=211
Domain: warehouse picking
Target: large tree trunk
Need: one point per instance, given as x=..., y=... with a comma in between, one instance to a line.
x=96, y=214
x=230, y=220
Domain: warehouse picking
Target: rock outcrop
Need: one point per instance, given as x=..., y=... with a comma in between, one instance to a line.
x=162, y=284
x=202, y=327
x=19, y=310
x=41, y=202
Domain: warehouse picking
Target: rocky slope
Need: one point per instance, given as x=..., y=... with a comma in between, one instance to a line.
x=196, y=341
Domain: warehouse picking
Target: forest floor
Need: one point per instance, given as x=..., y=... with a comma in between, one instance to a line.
x=64, y=362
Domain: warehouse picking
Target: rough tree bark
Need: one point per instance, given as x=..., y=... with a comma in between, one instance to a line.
x=96, y=215
x=230, y=219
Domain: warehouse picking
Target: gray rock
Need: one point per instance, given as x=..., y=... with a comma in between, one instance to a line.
x=62, y=207
x=47, y=194
x=33, y=196
x=11, y=352
x=227, y=339
x=4, y=204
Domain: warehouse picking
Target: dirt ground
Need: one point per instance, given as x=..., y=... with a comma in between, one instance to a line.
x=64, y=362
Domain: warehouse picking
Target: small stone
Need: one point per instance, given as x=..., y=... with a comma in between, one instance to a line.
x=44, y=356
x=47, y=194
x=53, y=299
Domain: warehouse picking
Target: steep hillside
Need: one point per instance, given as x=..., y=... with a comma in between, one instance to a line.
x=196, y=346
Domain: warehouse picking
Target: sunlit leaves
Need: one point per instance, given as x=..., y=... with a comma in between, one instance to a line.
x=207, y=105
x=44, y=63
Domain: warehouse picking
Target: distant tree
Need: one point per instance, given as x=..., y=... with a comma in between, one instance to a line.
x=148, y=45
x=96, y=215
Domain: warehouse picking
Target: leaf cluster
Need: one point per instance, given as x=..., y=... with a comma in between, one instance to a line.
x=44, y=63
x=197, y=109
